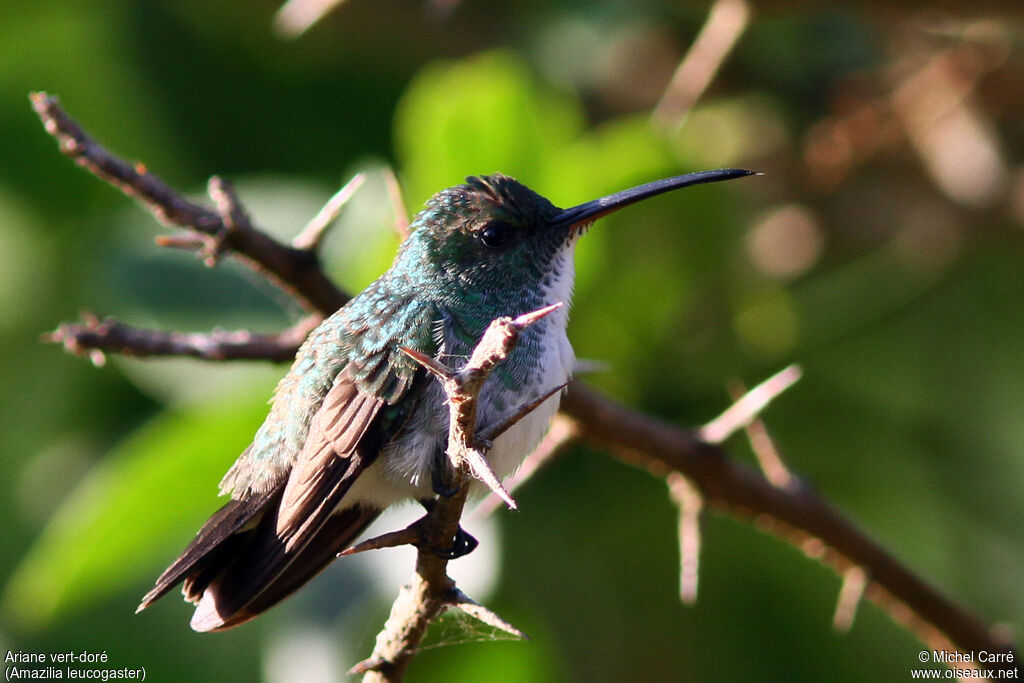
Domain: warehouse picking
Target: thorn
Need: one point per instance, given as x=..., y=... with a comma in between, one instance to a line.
x=183, y=241
x=410, y=535
x=768, y=456
x=312, y=235
x=481, y=469
x=855, y=580
x=232, y=216
x=368, y=665
x=468, y=605
x=429, y=362
x=745, y=410
x=295, y=17
x=492, y=433
x=229, y=206
x=690, y=503
x=563, y=431
x=527, y=319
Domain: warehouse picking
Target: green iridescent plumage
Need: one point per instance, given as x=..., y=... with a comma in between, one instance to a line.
x=356, y=425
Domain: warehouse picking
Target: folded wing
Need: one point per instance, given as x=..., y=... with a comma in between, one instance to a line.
x=256, y=551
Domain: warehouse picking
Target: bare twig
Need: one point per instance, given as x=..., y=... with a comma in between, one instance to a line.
x=746, y=409
x=958, y=146
x=431, y=590
x=397, y=203
x=726, y=22
x=768, y=456
x=97, y=336
x=311, y=236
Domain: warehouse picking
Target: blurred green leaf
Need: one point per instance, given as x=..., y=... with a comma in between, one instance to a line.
x=481, y=115
x=25, y=259
x=490, y=114
x=617, y=154
x=117, y=526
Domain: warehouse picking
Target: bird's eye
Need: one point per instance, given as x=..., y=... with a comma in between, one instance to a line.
x=496, y=235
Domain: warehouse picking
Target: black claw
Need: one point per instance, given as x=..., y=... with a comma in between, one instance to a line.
x=444, y=492
x=463, y=544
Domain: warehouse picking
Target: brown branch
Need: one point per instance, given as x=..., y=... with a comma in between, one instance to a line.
x=92, y=336
x=297, y=271
x=798, y=516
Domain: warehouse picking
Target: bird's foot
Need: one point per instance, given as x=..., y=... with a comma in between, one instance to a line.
x=441, y=482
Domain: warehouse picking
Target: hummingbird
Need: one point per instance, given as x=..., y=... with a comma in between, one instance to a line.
x=357, y=426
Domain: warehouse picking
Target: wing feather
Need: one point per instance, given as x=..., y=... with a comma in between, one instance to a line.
x=259, y=548
x=221, y=526
x=336, y=451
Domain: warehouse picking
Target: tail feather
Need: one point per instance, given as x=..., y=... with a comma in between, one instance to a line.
x=228, y=602
x=257, y=550
x=214, y=540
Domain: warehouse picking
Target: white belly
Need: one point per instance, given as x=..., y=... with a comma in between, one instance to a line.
x=402, y=471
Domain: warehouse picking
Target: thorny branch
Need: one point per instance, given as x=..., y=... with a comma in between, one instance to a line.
x=431, y=591
x=93, y=337
x=797, y=515
x=793, y=512
x=298, y=271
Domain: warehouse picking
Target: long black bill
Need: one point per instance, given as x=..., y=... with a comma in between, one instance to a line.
x=592, y=210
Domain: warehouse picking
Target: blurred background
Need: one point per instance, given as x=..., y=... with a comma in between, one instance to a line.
x=882, y=250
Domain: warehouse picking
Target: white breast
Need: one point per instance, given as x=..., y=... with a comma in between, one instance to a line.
x=403, y=469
